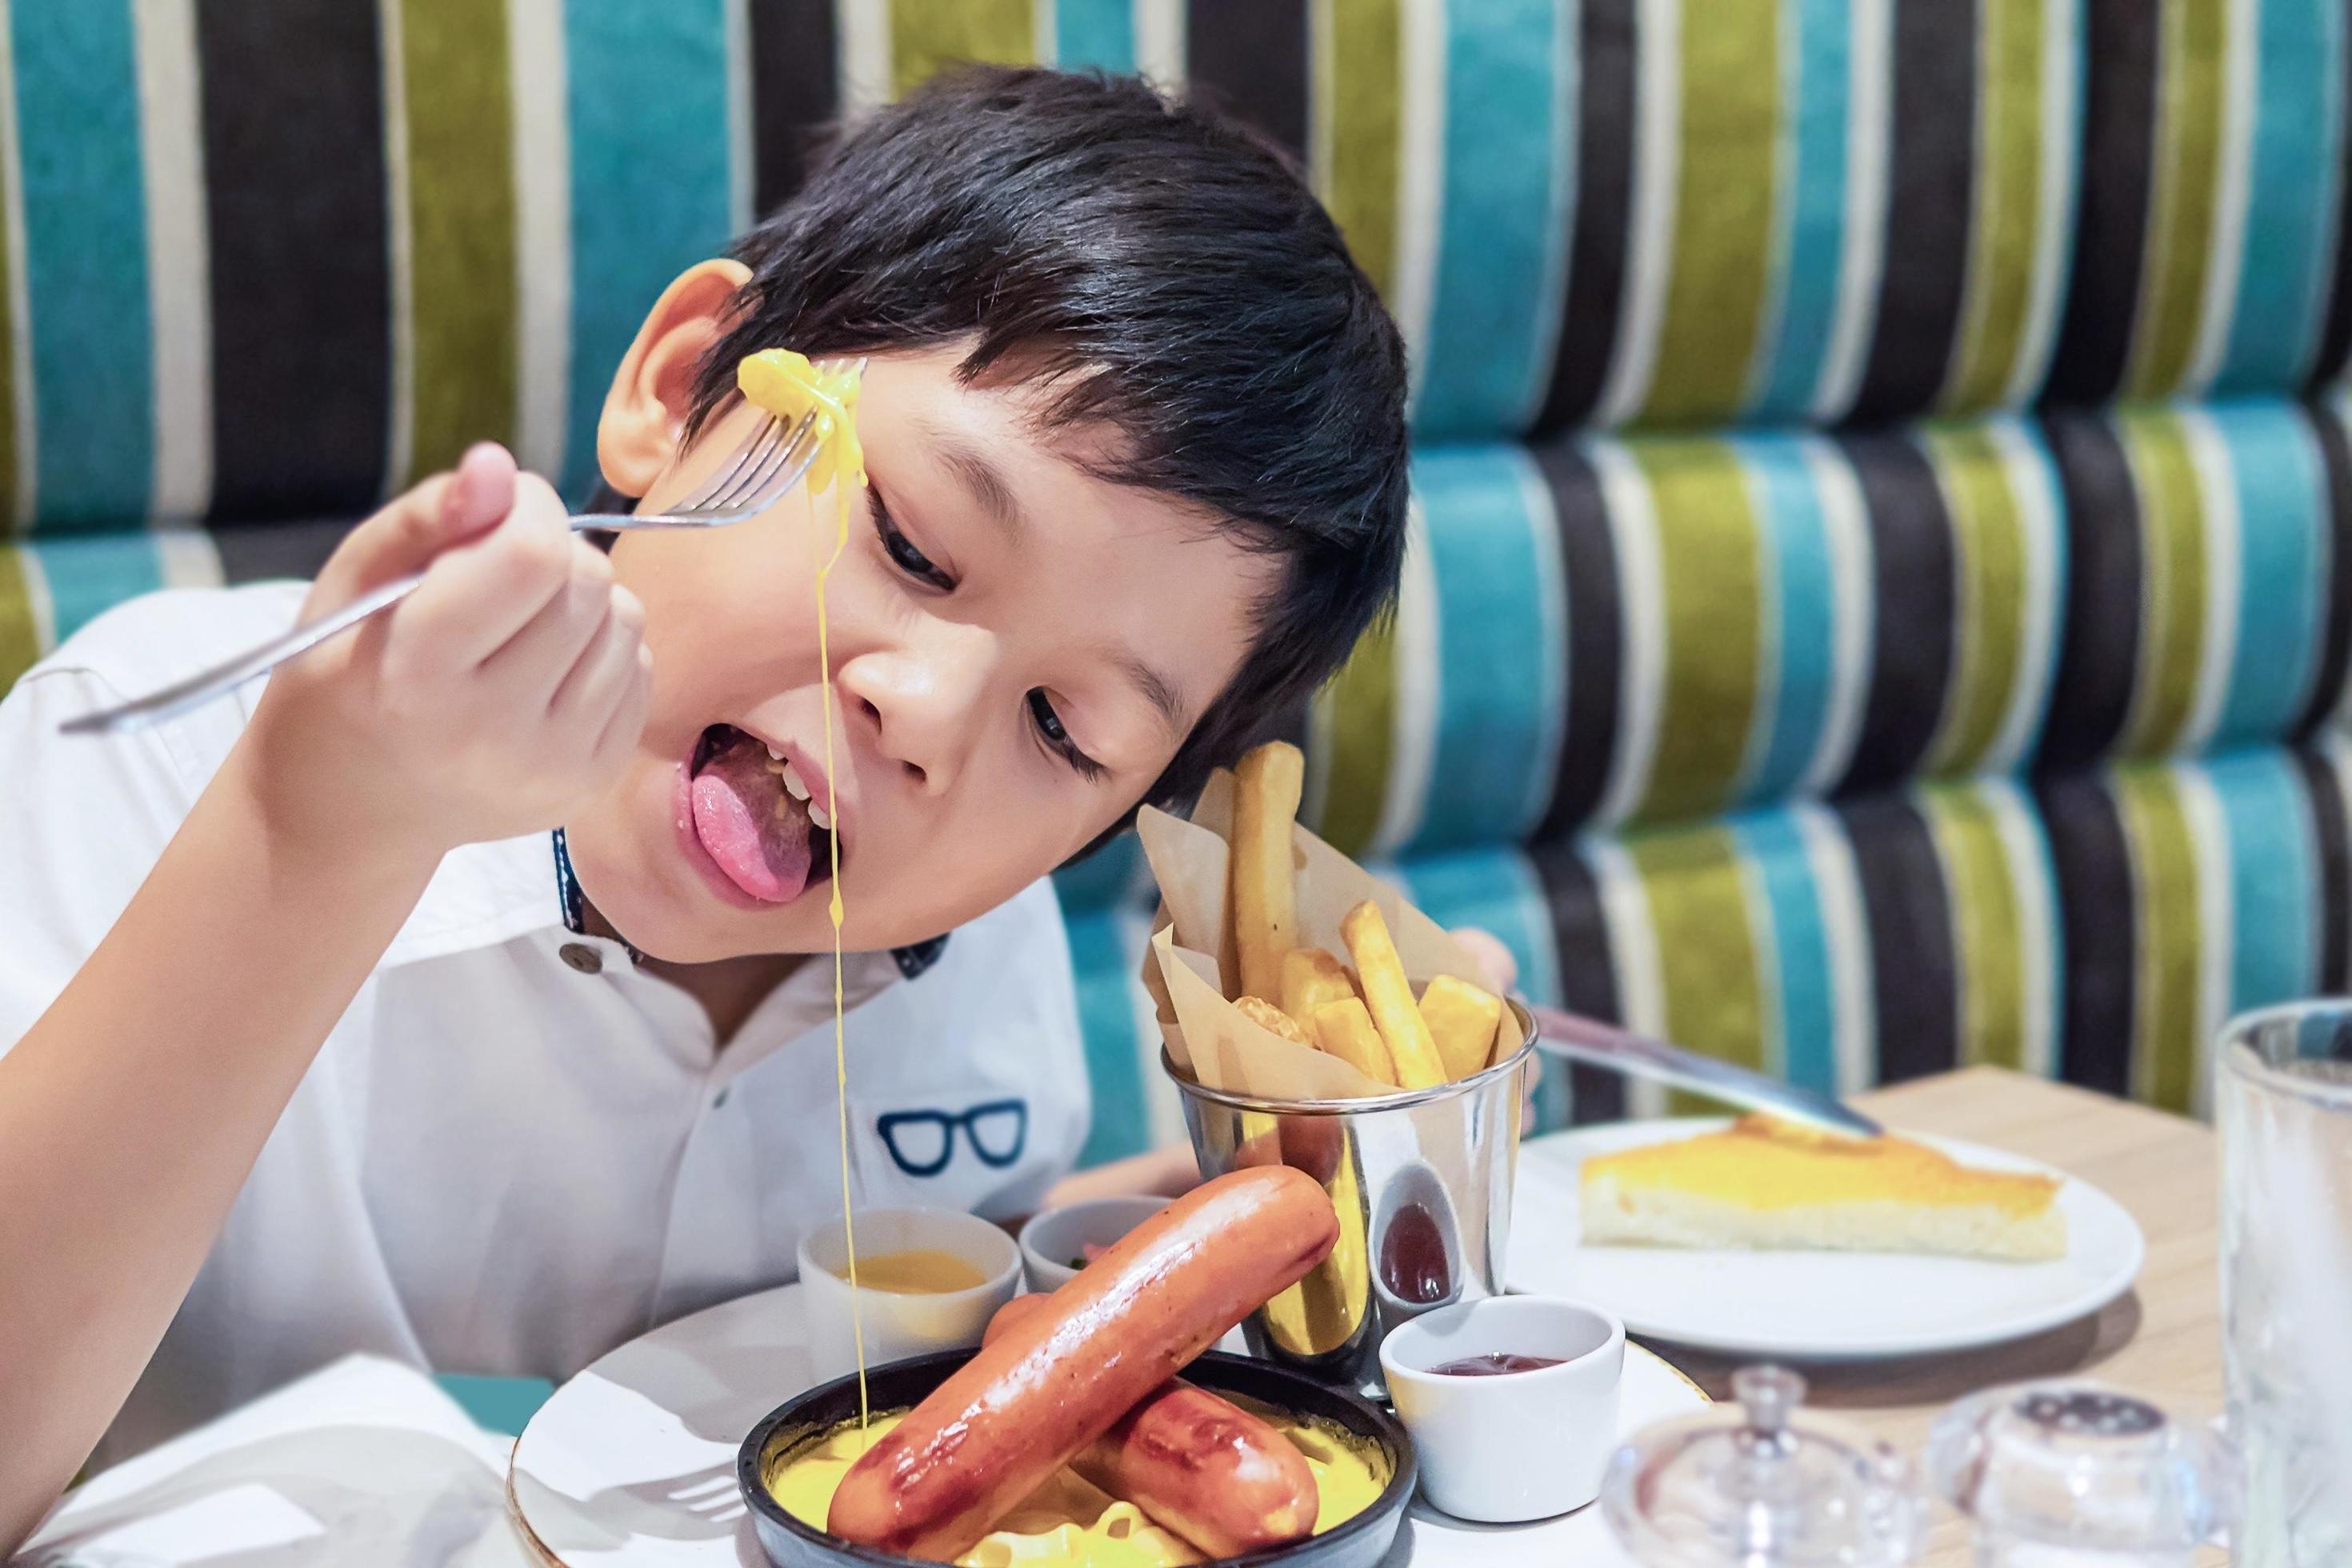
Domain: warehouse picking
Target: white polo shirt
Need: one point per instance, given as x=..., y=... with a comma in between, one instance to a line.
x=515, y=1151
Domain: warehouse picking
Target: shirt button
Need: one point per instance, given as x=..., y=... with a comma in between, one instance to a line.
x=581, y=957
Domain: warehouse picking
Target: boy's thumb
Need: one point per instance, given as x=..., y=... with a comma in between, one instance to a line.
x=446, y=509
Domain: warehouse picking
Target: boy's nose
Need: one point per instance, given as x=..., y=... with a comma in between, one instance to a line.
x=921, y=709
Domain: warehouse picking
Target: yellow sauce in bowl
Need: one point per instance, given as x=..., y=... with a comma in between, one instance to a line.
x=1070, y=1523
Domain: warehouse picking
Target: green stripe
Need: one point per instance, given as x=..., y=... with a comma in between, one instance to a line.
x=2008, y=169
x=2180, y=223
x=2165, y=982
x=1710, y=583
x=1723, y=212
x=1988, y=932
x=20, y=637
x=1354, y=722
x=1988, y=547
x=2172, y=592
x=1357, y=67
x=927, y=34
x=1708, y=970
x=461, y=206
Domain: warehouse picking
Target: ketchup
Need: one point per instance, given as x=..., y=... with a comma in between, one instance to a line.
x=1412, y=1258
x=1494, y=1363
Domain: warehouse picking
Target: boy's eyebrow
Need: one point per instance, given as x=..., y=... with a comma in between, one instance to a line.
x=979, y=474
x=1157, y=689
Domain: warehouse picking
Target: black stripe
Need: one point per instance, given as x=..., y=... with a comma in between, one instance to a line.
x=2328, y=833
x=301, y=288
x=2117, y=161
x=1929, y=209
x=2098, y=656
x=2336, y=645
x=1595, y=652
x=1604, y=186
x=1250, y=56
x=1913, y=968
x=2336, y=335
x=253, y=552
x=1912, y=588
x=794, y=93
x=1588, y=983
x=2098, y=919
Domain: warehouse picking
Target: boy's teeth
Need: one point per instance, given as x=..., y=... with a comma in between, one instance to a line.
x=818, y=816
x=792, y=785
x=774, y=755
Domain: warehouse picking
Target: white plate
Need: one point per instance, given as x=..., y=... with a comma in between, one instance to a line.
x=1816, y=1306
x=632, y=1463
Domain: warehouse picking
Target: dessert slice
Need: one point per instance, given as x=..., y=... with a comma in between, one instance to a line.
x=1763, y=1182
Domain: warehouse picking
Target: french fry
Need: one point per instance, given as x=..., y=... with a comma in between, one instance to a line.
x=1387, y=996
x=1274, y=1020
x=1344, y=1029
x=1266, y=783
x=1462, y=1020
x=1311, y=977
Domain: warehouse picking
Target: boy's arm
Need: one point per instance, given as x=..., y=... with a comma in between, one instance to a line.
x=132, y=1110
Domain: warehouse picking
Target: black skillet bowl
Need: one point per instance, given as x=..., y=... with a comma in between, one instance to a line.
x=1360, y=1542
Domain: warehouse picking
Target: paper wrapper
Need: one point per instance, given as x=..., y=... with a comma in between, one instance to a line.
x=1191, y=968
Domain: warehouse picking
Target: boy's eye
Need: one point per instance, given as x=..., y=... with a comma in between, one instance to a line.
x=901, y=550
x=1057, y=740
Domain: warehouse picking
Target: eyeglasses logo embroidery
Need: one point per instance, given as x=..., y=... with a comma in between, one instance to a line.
x=922, y=1143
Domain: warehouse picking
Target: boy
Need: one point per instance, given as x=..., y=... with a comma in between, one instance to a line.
x=451, y=998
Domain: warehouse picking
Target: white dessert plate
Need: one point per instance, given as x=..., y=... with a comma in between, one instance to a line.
x=1811, y=1306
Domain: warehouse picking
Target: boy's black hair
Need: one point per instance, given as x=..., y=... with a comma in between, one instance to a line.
x=1152, y=265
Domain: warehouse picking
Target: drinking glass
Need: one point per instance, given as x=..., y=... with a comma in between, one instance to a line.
x=2284, y=1100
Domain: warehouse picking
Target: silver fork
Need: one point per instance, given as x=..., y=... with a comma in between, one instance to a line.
x=770, y=461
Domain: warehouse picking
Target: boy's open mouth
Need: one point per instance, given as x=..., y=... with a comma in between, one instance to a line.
x=754, y=815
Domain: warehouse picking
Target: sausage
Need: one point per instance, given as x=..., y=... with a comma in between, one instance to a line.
x=1055, y=1382
x=1196, y=1464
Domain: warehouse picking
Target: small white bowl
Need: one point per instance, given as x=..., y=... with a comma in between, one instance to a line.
x=898, y=1324
x=1050, y=1240
x=1517, y=1446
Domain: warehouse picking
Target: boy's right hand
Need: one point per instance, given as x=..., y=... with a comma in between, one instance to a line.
x=492, y=701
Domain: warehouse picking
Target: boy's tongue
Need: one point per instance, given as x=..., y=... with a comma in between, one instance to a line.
x=757, y=832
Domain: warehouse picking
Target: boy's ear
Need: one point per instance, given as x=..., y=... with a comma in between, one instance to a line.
x=638, y=434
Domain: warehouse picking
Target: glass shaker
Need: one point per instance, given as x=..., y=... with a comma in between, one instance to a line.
x=1761, y=1486
x=2079, y=1475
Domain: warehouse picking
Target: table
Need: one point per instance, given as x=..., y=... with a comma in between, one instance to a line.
x=2162, y=1339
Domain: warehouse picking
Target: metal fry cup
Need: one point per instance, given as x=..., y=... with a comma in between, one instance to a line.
x=1422, y=1183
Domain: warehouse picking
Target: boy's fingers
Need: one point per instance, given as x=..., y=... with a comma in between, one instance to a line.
x=600, y=677
x=628, y=720
x=565, y=626
x=479, y=596
x=446, y=509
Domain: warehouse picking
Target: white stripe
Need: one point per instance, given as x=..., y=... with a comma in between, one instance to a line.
x=1632, y=958
x=1869, y=129
x=2156, y=590
x=2217, y=496
x=1160, y=43
x=1551, y=647
x=1413, y=654
x=1650, y=239
x=1772, y=1013
x=1551, y=299
x=400, y=437
x=40, y=604
x=865, y=60
x=187, y=558
x=2209, y=843
x=1421, y=178
x=2033, y=488
x=1845, y=529
x=20, y=312
x=1641, y=676
x=2225, y=246
x=179, y=264
x=1771, y=637
x=743, y=161
x=1045, y=33
x=1163, y=1108
x=2025, y=860
x=543, y=182
x=1845, y=937
x=1773, y=313
x=2053, y=227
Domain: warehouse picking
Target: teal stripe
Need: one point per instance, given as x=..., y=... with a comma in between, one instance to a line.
x=2293, y=184
x=2281, y=511
x=89, y=574
x=1497, y=684
x=1100, y=33
x=1114, y=875
x=1797, y=551
x=84, y=259
x=1775, y=853
x=2273, y=952
x=1497, y=892
x=1814, y=78
x=647, y=106
x=1509, y=203
x=1106, y=974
